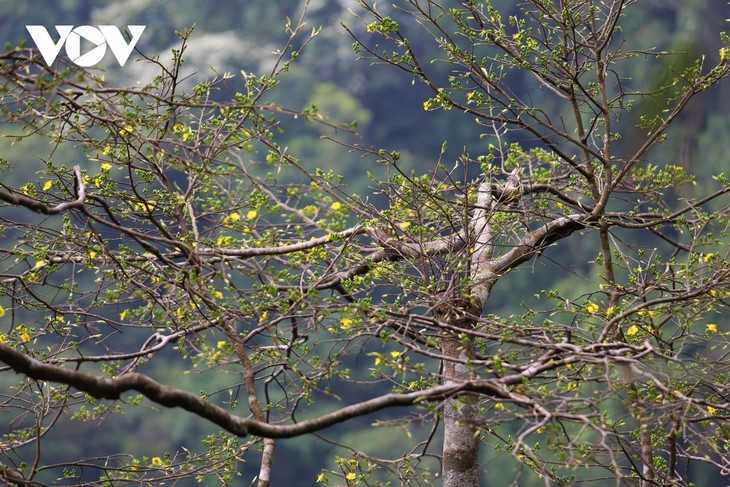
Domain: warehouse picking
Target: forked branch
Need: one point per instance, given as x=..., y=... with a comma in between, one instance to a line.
x=41, y=207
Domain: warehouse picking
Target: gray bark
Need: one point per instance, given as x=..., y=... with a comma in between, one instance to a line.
x=461, y=413
x=461, y=444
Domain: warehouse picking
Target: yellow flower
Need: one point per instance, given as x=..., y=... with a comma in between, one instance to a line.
x=404, y=225
x=724, y=53
x=611, y=310
x=711, y=410
x=3, y=338
x=394, y=354
x=92, y=254
x=40, y=264
x=220, y=344
x=647, y=312
x=106, y=150
x=106, y=167
x=633, y=330
x=711, y=328
x=351, y=476
x=378, y=359
x=142, y=206
x=499, y=406
x=48, y=185
x=223, y=241
x=128, y=129
x=336, y=206
x=218, y=295
x=251, y=214
x=2, y=311
x=232, y=218
x=708, y=257
x=592, y=308
x=25, y=337
x=124, y=314
x=321, y=478
x=346, y=323
x=156, y=461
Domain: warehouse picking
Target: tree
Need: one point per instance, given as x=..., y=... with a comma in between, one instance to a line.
x=191, y=238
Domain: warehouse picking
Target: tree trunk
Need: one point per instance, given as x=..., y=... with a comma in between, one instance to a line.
x=461, y=443
x=461, y=413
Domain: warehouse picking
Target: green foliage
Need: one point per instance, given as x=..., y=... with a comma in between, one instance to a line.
x=192, y=232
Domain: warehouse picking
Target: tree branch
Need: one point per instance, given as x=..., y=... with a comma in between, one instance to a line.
x=539, y=239
x=41, y=207
x=105, y=388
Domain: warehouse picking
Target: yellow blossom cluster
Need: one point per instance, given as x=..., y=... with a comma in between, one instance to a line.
x=232, y=218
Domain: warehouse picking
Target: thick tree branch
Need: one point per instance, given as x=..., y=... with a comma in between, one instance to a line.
x=538, y=239
x=105, y=388
x=41, y=207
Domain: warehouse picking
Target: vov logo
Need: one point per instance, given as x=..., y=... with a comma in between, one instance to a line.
x=101, y=37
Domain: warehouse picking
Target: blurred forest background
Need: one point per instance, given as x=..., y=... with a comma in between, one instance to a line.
x=235, y=35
